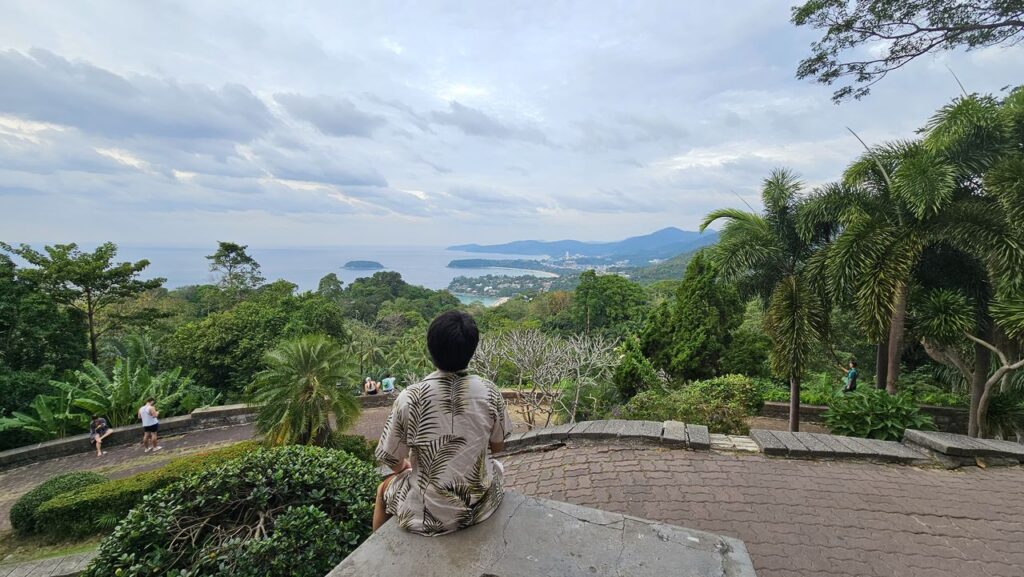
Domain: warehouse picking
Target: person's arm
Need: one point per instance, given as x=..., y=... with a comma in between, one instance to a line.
x=392, y=449
x=501, y=429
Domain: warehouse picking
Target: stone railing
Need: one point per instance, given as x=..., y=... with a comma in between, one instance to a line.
x=947, y=419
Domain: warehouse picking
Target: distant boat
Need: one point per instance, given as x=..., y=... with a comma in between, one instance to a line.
x=363, y=265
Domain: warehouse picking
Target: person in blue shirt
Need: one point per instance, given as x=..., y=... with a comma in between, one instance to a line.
x=387, y=384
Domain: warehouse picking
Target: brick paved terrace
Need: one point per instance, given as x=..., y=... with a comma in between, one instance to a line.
x=802, y=518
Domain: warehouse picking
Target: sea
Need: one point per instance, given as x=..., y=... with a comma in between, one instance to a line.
x=418, y=265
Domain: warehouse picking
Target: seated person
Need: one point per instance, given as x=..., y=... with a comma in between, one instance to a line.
x=387, y=384
x=439, y=438
x=370, y=386
x=99, y=430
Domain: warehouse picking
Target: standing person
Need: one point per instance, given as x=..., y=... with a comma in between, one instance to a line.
x=99, y=430
x=387, y=384
x=441, y=434
x=150, y=425
x=850, y=380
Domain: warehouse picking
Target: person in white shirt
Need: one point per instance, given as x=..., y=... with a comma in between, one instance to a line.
x=150, y=425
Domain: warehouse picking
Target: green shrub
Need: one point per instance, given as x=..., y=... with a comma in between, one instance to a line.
x=729, y=389
x=98, y=507
x=772, y=391
x=634, y=373
x=821, y=389
x=875, y=414
x=355, y=445
x=286, y=511
x=689, y=406
x=23, y=513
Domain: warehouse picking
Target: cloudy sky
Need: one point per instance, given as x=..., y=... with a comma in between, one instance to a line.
x=334, y=123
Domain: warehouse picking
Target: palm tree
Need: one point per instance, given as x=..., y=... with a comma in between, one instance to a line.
x=882, y=216
x=307, y=380
x=767, y=257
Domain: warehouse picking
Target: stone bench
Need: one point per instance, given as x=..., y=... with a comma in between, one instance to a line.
x=529, y=537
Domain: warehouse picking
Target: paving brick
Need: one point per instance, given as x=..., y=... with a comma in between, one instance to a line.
x=769, y=444
x=803, y=518
x=673, y=434
x=698, y=438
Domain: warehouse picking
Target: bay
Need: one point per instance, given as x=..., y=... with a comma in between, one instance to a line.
x=419, y=265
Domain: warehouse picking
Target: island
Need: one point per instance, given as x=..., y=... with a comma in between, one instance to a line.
x=363, y=265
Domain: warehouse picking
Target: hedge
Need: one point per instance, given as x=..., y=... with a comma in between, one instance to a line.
x=23, y=513
x=293, y=511
x=98, y=508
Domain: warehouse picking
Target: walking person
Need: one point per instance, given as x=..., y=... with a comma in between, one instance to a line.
x=99, y=430
x=150, y=426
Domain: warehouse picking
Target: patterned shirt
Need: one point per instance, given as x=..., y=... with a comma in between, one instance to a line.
x=444, y=425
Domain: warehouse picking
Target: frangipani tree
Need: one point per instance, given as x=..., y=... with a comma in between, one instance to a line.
x=769, y=258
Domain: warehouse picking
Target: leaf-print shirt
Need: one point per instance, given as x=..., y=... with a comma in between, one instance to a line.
x=444, y=425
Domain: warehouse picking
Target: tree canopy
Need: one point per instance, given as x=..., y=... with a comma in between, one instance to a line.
x=900, y=30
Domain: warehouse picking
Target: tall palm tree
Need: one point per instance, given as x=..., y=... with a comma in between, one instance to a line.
x=767, y=257
x=307, y=380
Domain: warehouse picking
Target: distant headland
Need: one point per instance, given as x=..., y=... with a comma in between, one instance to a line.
x=363, y=265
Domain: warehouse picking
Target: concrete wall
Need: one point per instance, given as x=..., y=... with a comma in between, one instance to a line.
x=947, y=419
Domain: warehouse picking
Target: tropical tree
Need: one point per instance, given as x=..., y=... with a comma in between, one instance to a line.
x=87, y=281
x=688, y=337
x=307, y=381
x=900, y=30
x=52, y=417
x=130, y=383
x=239, y=272
x=768, y=258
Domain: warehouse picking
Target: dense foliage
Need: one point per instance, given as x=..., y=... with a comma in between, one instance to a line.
x=23, y=512
x=97, y=508
x=289, y=511
x=874, y=414
x=688, y=405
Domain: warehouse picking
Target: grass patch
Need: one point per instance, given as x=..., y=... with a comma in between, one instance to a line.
x=17, y=549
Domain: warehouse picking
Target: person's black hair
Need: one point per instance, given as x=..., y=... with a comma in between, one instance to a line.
x=451, y=340
x=854, y=363
x=151, y=400
x=94, y=417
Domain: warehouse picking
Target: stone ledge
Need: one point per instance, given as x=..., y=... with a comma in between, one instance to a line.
x=669, y=433
x=529, y=537
x=952, y=445
x=819, y=446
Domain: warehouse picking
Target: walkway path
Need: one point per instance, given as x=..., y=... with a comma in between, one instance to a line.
x=802, y=518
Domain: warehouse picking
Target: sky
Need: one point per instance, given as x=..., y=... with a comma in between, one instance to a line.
x=282, y=124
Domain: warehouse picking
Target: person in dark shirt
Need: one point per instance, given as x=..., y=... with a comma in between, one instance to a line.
x=99, y=430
